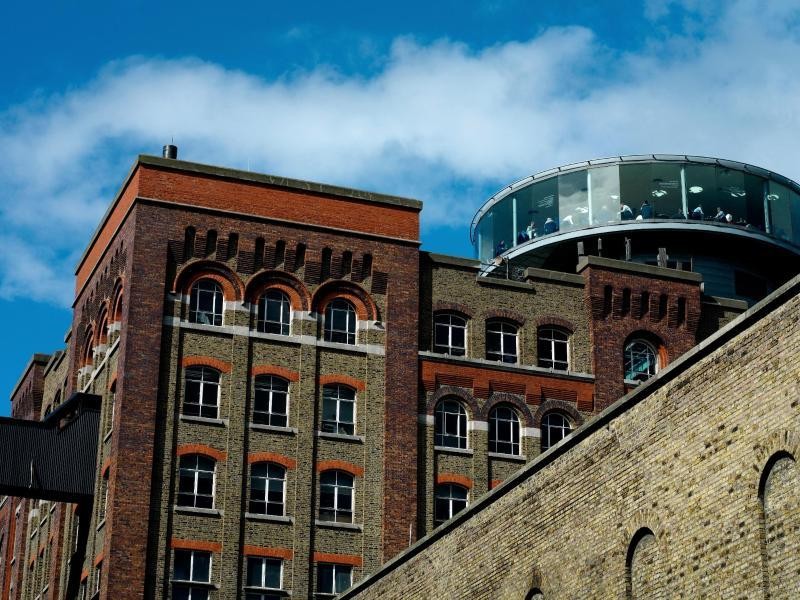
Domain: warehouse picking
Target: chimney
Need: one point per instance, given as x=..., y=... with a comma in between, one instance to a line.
x=170, y=151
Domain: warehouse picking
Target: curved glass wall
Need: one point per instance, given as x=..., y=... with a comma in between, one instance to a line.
x=657, y=190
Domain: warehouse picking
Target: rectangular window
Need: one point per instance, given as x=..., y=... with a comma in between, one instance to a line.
x=191, y=567
x=333, y=579
x=263, y=574
x=98, y=576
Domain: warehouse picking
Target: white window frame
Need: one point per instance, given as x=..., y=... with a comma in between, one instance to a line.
x=565, y=428
x=198, y=374
x=336, y=486
x=338, y=426
x=284, y=324
x=351, y=321
x=196, y=470
x=547, y=334
x=494, y=438
x=216, y=317
x=503, y=330
x=628, y=359
x=334, y=568
x=444, y=491
x=449, y=321
x=440, y=420
x=267, y=481
x=265, y=384
x=263, y=573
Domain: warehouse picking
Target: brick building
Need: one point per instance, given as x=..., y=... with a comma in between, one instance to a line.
x=291, y=393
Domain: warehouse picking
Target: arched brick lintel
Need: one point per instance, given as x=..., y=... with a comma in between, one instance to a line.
x=454, y=307
x=299, y=296
x=554, y=320
x=218, y=455
x=271, y=457
x=283, y=372
x=462, y=480
x=365, y=306
x=557, y=406
x=206, y=361
x=448, y=390
x=504, y=314
x=330, y=379
x=232, y=286
x=340, y=465
x=504, y=398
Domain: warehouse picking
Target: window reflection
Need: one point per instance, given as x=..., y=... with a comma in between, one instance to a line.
x=605, y=206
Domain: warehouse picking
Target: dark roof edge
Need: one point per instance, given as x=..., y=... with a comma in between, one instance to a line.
x=298, y=184
x=36, y=359
x=624, y=265
x=712, y=343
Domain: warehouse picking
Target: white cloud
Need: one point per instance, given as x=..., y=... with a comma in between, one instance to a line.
x=442, y=122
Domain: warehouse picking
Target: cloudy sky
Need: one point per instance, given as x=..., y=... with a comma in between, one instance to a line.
x=443, y=101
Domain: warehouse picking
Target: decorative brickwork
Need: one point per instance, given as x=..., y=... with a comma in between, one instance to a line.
x=340, y=465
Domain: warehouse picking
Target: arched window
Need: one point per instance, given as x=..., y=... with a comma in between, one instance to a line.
x=196, y=481
x=206, y=303
x=336, y=496
x=780, y=525
x=340, y=322
x=504, y=430
x=641, y=360
x=267, y=489
x=450, y=499
x=338, y=409
x=201, y=393
x=642, y=566
x=271, y=402
x=274, y=312
x=450, y=334
x=553, y=348
x=555, y=427
x=501, y=341
x=450, y=424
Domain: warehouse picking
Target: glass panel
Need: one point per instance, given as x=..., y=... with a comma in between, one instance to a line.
x=342, y=578
x=254, y=572
x=325, y=578
x=201, y=567
x=605, y=195
x=665, y=195
x=701, y=189
x=272, y=576
x=543, y=209
x=182, y=564
x=502, y=226
x=795, y=210
x=345, y=411
x=754, y=188
x=732, y=196
x=573, y=200
x=780, y=210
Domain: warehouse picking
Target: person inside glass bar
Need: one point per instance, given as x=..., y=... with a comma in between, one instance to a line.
x=729, y=218
x=697, y=213
x=550, y=226
x=522, y=237
x=646, y=211
x=531, y=230
x=501, y=247
x=678, y=215
x=625, y=212
x=720, y=216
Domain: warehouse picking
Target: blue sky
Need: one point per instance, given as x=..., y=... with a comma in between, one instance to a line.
x=443, y=101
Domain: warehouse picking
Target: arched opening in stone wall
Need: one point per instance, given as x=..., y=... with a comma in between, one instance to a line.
x=642, y=569
x=780, y=525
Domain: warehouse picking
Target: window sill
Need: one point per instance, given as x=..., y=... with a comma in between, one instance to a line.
x=191, y=510
x=448, y=450
x=201, y=584
x=204, y=420
x=273, y=428
x=335, y=525
x=269, y=518
x=342, y=437
x=634, y=382
x=511, y=457
x=268, y=591
x=101, y=524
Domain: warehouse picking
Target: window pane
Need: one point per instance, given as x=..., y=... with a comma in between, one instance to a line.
x=201, y=569
x=272, y=576
x=254, y=572
x=342, y=578
x=182, y=564
x=325, y=579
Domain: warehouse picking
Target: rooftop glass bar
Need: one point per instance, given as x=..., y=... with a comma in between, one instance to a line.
x=651, y=188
